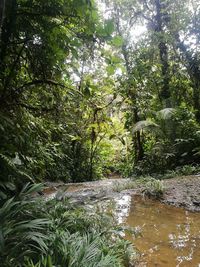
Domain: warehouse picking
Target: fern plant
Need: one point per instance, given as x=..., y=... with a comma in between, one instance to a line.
x=11, y=177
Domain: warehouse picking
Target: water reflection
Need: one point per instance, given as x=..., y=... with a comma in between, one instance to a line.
x=170, y=236
x=122, y=208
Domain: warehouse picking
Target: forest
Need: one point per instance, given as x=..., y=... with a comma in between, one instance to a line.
x=90, y=89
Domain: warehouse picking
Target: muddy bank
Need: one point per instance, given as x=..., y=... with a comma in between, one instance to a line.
x=183, y=192
x=180, y=191
x=85, y=192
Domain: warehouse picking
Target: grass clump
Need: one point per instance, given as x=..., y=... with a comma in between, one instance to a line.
x=39, y=233
x=153, y=187
x=119, y=186
x=149, y=186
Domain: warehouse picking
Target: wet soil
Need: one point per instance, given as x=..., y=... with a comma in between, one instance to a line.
x=180, y=191
x=183, y=192
x=84, y=192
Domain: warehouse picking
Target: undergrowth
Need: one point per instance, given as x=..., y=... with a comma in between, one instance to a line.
x=39, y=233
x=149, y=186
x=181, y=171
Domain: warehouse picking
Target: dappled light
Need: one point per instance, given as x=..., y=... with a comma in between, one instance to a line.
x=99, y=101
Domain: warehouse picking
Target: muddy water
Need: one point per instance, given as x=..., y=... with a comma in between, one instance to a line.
x=170, y=235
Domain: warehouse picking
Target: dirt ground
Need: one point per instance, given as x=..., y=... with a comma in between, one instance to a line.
x=181, y=191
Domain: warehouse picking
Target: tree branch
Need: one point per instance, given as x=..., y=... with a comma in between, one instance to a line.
x=48, y=82
x=39, y=82
x=43, y=109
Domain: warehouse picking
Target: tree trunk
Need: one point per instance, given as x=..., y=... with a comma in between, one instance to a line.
x=2, y=9
x=137, y=142
x=194, y=73
x=139, y=151
x=163, y=52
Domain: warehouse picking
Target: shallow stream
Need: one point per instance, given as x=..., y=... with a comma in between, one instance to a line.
x=170, y=236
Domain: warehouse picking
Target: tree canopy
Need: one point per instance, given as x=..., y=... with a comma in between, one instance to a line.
x=83, y=93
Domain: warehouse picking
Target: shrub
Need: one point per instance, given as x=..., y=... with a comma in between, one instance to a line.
x=154, y=188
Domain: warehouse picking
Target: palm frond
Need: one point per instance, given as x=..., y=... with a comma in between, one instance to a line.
x=166, y=113
x=144, y=125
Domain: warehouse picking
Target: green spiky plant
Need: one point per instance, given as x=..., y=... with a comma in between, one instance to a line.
x=153, y=188
x=39, y=233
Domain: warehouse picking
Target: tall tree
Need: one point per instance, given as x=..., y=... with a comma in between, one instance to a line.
x=2, y=8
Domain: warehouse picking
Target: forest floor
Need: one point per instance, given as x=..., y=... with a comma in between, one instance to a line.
x=181, y=191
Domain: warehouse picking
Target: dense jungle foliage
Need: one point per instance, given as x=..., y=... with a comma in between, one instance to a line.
x=89, y=88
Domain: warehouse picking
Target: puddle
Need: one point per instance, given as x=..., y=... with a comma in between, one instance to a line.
x=170, y=235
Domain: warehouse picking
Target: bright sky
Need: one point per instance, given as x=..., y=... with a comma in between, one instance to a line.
x=136, y=32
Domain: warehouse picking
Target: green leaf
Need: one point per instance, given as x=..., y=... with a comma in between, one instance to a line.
x=110, y=69
x=117, y=41
x=87, y=91
x=74, y=52
x=109, y=27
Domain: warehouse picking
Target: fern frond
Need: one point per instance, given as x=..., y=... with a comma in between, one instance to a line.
x=144, y=125
x=166, y=113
